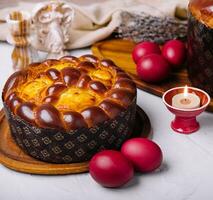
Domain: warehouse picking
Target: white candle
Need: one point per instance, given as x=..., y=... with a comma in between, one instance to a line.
x=186, y=100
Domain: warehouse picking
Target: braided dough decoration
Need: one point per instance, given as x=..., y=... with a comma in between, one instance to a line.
x=69, y=93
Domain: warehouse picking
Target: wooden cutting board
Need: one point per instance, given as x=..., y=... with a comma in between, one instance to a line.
x=120, y=51
x=14, y=158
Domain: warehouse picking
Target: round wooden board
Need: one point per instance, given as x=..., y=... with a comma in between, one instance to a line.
x=120, y=51
x=14, y=158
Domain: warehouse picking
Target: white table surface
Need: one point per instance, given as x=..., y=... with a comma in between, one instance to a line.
x=186, y=173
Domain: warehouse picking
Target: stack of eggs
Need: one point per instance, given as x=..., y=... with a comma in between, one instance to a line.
x=154, y=64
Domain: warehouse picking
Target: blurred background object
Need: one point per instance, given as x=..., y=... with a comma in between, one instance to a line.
x=19, y=31
x=59, y=26
x=50, y=28
x=145, y=27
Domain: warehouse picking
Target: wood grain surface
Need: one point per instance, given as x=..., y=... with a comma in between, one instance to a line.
x=120, y=51
x=14, y=158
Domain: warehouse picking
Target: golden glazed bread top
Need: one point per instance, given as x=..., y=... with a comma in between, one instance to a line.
x=69, y=93
x=202, y=10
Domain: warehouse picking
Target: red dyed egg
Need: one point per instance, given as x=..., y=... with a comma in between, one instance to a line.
x=175, y=52
x=110, y=168
x=144, y=154
x=153, y=68
x=144, y=48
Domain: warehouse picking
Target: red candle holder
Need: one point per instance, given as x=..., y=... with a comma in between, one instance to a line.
x=185, y=119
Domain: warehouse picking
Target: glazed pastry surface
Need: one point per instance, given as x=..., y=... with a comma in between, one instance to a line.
x=202, y=10
x=69, y=93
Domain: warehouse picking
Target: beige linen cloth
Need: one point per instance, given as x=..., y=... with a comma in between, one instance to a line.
x=93, y=22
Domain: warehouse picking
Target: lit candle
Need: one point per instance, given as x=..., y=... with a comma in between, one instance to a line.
x=186, y=100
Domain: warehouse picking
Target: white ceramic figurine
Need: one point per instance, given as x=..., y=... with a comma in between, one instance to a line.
x=51, y=22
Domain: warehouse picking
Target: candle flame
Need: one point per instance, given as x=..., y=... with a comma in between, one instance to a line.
x=185, y=93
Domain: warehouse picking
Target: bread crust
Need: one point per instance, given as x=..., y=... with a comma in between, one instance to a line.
x=69, y=93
